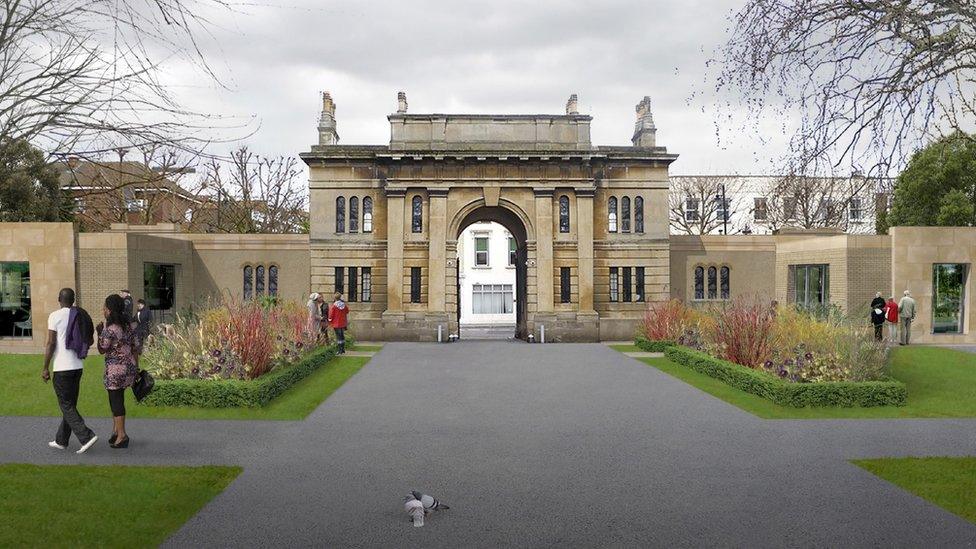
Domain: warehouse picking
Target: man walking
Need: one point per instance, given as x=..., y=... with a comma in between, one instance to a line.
x=906, y=311
x=69, y=336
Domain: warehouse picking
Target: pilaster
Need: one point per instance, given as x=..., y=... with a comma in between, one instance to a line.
x=584, y=235
x=437, y=231
x=544, y=264
x=394, y=249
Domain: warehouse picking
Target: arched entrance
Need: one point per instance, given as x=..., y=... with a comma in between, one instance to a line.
x=517, y=228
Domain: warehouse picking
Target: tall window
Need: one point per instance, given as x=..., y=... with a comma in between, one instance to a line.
x=564, y=214
x=639, y=214
x=492, y=299
x=367, y=214
x=15, y=314
x=856, y=213
x=414, y=284
x=512, y=252
x=627, y=284
x=699, y=283
x=159, y=286
x=712, y=283
x=722, y=208
x=353, y=214
x=339, y=283
x=948, y=297
x=723, y=282
x=811, y=285
x=638, y=283
x=353, y=287
x=248, y=282
x=259, y=280
x=625, y=214
x=614, y=285
x=340, y=215
x=691, y=209
x=565, y=290
x=612, y=214
x=366, y=285
x=481, y=251
x=273, y=280
x=760, y=209
x=417, y=216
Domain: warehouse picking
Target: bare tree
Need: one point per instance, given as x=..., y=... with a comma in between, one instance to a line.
x=870, y=79
x=254, y=194
x=695, y=204
x=844, y=203
x=82, y=77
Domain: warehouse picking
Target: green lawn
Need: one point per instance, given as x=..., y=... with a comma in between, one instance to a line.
x=22, y=393
x=947, y=482
x=627, y=348
x=941, y=383
x=365, y=348
x=102, y=506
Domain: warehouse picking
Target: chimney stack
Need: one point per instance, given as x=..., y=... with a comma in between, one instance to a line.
x=327, y=122
x=401, y=102
x=644, y=130
x=572, y=106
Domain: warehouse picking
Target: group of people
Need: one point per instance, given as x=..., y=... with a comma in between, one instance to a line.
x=898, y=317
x=71, y=333
x=322, y=316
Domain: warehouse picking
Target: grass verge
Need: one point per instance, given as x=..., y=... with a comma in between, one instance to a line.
x=102, y=506
x=949, y=482
x=22, y=393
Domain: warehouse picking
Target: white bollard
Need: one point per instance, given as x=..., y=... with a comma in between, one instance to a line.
x=542, y=333
x=439, y=328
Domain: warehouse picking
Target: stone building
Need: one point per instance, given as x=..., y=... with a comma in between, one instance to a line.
x=590, y=222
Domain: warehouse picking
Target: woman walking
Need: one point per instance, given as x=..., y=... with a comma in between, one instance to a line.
x=891, y=316
x=121, y=346
x=338, y=319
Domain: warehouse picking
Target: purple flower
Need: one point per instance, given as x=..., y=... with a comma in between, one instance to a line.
x=768, y=364
x=299, y=344
x=215, y=353
x=788, y=362
x=286, y=351
x=216, y=369
x=808, y=356
x=222, y=360
x=195, y=371
x=782, y=373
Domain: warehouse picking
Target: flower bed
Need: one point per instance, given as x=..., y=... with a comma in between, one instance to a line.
x=234, y=354
x=787, y=356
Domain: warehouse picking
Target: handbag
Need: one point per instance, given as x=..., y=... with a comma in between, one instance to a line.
x=143, y=385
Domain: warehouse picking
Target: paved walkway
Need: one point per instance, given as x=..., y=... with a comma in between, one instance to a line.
x=538, y=445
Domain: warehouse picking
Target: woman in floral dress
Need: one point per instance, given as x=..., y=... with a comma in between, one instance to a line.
x=121, y=346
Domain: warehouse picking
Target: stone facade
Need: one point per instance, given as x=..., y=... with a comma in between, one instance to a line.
x=526, y=172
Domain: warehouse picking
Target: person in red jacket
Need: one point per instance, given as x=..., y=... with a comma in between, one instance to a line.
x=891, y=315
x=338, y=320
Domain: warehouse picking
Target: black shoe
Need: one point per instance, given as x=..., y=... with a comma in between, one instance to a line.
x=111, y=439
x=124, y=443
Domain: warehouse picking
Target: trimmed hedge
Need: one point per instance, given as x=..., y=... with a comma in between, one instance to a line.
x=796, y=395
x=649, y=346
x=233, y=393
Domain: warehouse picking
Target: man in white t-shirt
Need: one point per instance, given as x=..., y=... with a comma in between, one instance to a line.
x=67, y=376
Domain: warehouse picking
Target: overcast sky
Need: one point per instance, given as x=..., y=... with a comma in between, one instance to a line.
x=475, y=57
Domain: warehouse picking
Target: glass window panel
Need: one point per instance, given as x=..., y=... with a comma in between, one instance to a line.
x=638, y=215
x=614, y=285
x=340, y=212
x=340, y=285
x=16, y=319
x=626, y=285
x=625, y=214
x=417, y=215
x=512, y=252
x=699, y=283
x=564, y=214
x=612, y=214
x=565, y=291
x=159, y=286
x=353, y=214
x=415, y=284
x=353, y=289
x=948, y=297
x=259, y=280
x=366, y=287
x=712, y=286
x=367, y=214
x=248, y=282
x=638, y=283
x=723, y=282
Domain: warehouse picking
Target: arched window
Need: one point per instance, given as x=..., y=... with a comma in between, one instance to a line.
x=612, y=214
x=353, y=214
x=340, y=215
x=259, y=280
x=564, y=214
x=248, y=281
x=417, y=219
x=699, y=283
x=723, y=282
x=367, y=214
x=625, y=214
x=712, y=283
x=273, y=280
x=638, y=214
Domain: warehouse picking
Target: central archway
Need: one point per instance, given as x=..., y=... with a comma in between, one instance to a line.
x=517, y=228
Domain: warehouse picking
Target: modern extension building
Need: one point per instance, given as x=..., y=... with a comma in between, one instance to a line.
x=590, y=242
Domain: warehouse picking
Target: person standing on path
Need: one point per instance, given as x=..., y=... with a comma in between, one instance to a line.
x=127, y=301
x=906, y=310
x=142, y=323
x=338, y=319
x=878, y=315
x=68, y=323
x=121, y=346
x=313, y=324
x=891, y=315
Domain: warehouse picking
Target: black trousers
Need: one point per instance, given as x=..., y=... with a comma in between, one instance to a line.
x=67, y=386
x=341, y=339
x=877, y=331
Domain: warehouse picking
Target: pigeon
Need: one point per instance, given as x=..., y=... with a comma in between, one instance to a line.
x=417, y=505
x=430, y=502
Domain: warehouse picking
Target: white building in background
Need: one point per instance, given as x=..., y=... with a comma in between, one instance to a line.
x=486, y=264
x=757, y=204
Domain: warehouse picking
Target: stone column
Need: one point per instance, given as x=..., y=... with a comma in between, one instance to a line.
x=394, y=250
x=584, y=239
x=544, y=264
x=436, y=254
